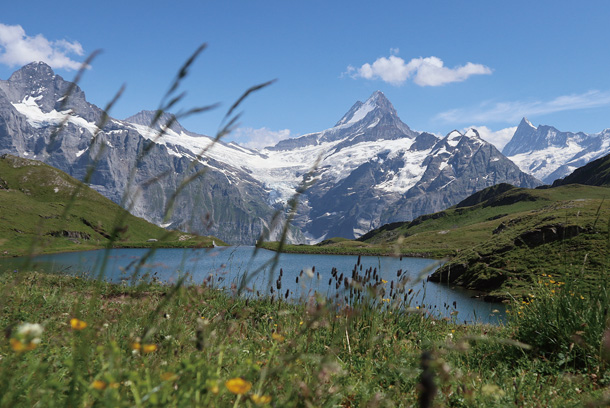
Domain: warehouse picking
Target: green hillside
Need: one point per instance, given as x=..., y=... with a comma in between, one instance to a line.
x=505, y=243
x=39, y=212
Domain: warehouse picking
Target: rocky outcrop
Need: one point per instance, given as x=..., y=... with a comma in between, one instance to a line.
x=547, y=234
x=78, y=235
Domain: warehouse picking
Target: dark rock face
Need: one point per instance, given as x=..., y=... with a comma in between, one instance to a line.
x=458, y=166
x=596, y=173
x=71, y=235
x=547, y=234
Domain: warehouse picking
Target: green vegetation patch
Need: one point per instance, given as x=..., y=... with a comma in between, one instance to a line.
x=44, y=210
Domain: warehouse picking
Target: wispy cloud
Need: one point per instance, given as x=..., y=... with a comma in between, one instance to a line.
x=17, y=48
x=429, y=71
x=259, y=138
x=513, y=111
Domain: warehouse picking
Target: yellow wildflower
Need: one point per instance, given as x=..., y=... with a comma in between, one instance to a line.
x=261, y=399
x=238, y=385
x=384, y=281
x=149, y=348
x=136, y=346
x=99, y=385
x=278, y=337
x=19, y=346
x=77, y=324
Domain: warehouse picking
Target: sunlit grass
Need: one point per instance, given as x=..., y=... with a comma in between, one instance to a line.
x=209, y=348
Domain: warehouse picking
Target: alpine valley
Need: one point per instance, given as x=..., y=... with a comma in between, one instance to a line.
x=368, y=170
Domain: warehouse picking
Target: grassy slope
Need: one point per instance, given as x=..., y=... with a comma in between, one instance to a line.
x=37, y=214
x=504, y=244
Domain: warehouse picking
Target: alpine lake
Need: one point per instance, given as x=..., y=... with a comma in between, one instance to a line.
x=343, y=279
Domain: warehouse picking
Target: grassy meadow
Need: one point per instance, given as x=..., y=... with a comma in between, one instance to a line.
x=76, y=342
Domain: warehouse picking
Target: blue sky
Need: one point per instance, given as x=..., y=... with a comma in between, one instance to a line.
x=443, y=64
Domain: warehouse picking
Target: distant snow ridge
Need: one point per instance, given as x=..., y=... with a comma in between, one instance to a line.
x=549, y=154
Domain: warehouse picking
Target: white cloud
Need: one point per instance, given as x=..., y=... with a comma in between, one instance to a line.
x=17, y=48
x=259, y=138
x=515, y=110
x=430, y=71
x=498, y=138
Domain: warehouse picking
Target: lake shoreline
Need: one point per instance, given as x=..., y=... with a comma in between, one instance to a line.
x=142, y=245
x=295, y=276
x=363, y=251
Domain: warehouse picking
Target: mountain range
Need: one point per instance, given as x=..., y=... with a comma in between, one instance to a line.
x=549, y=154
x=368, y=169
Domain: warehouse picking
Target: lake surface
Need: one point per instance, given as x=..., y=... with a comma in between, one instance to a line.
x=302, y=275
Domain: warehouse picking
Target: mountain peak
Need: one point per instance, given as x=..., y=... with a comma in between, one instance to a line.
x=36, y=69
x=526, y=123
x=377, y=95
x=377, y=103
x=522, y=138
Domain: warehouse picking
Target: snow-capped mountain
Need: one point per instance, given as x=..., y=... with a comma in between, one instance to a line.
x=368, y=169
x=374, y=169
x=549, y=154
x=226, y=201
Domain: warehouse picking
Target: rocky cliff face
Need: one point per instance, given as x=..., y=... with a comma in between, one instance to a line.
x=457, y=166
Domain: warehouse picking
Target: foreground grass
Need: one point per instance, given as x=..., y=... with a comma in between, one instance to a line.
x=110, y=345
